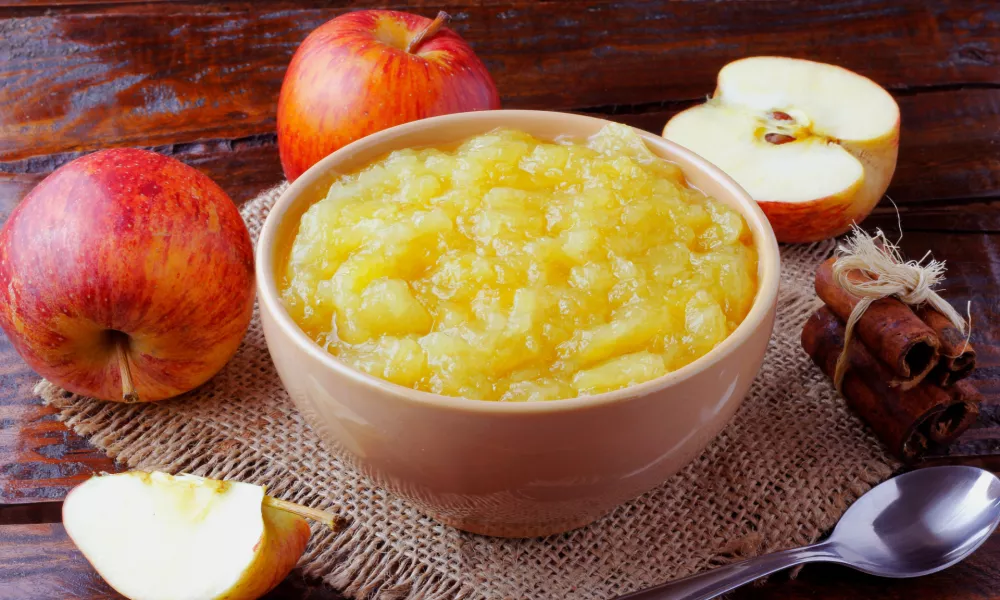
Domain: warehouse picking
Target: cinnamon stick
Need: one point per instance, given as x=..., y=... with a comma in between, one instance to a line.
x=889, y=328
x=959, y=416
x=958, y=357
x=908, y=421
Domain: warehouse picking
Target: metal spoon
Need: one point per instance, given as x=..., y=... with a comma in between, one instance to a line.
x=912, y=525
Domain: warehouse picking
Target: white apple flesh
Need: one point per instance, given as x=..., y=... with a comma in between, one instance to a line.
x=814, y=144
x=154, y=536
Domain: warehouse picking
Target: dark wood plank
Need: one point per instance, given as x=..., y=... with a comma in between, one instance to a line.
x=977, y=578
x=40, y=562
x=49, y=4
x=243, y=167
x=30, y=514
x=41, y=460
x=973, y=260
x=968, y=215
x=152, y=74
x=934, y=163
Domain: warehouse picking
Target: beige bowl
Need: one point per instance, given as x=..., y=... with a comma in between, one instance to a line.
x=512, y=469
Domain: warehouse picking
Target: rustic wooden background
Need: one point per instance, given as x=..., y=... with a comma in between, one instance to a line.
x=198, y=80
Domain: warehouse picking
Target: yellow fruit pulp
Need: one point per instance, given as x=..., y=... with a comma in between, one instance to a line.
x=516, y=269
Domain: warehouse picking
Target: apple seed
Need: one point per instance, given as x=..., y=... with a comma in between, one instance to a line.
x=779, y=138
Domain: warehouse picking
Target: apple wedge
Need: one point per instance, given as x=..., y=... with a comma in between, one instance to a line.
x=814, y=144
x=154, y=536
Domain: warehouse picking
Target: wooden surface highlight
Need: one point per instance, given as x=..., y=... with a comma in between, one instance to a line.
x=199, y=80
x=29, y=554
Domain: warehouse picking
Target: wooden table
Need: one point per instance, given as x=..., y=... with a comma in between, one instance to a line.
x=199, y=81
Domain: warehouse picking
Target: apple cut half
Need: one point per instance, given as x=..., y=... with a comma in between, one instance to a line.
x=814, y=144
x=155, y=536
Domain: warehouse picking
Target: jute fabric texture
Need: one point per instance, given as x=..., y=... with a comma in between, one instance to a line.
x=779, y=475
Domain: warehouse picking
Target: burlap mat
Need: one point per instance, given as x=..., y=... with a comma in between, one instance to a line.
x=780, y=475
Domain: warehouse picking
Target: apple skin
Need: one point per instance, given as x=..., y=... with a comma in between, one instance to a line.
x=826, y=217
x=832, y=216
x=284, y=540
x=829, y=217
x=352, y=77
x=277, y=551
x=128, y=241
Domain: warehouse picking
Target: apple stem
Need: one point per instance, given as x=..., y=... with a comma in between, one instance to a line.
x=128, y=387
x=329, y=519
x=438, y=22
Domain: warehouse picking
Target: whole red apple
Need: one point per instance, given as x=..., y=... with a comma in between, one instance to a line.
x=126, y=265
x=366, y=71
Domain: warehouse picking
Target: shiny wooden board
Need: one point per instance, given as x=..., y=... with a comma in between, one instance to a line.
x=199, y=80
x=30, y=554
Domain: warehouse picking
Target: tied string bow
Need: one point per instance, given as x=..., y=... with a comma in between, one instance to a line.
x=887, y=274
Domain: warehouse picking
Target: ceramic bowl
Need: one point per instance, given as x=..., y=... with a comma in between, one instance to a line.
x=512, y=469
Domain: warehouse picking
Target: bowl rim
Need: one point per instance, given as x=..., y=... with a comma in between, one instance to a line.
x=768, y=266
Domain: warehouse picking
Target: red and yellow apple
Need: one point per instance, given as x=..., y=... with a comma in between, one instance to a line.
x=814, y=144
x=366, y=71
x=154, y=536
x=126, y=275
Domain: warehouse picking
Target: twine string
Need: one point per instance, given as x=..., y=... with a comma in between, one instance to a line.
x=886, y=274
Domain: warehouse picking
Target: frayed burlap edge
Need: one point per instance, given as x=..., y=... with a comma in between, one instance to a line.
x=359, y=570
x=215, y=431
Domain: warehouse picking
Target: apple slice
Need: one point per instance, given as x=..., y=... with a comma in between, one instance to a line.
x=157, y=536
x=814, y=144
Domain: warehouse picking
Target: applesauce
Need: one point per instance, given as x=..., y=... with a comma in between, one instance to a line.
x=516, y=269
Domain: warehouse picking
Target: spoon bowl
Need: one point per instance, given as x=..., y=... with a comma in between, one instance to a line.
x=912, y=525
x=920, y=522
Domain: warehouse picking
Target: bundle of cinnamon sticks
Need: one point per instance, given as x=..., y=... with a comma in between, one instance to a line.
x=905, y=371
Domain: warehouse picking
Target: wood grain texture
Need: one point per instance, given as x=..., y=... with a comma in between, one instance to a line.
x=39, y=562
x=960, y=215
x=935, y=165
x=195, y=64
x=40, y=459
x=198, y=80
x=29, y=514
x=973, y=279
x=974, y=579
x=243, y=167
x=162, y=73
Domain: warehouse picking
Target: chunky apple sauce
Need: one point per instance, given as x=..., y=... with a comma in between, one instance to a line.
x=515, y=269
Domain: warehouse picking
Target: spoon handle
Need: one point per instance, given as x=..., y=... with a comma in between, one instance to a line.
x=719, y=581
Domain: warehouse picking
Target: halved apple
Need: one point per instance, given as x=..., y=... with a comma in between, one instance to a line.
x=156, y=536
x=814, y=144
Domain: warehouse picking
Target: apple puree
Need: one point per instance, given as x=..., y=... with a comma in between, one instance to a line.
x=515, y=269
